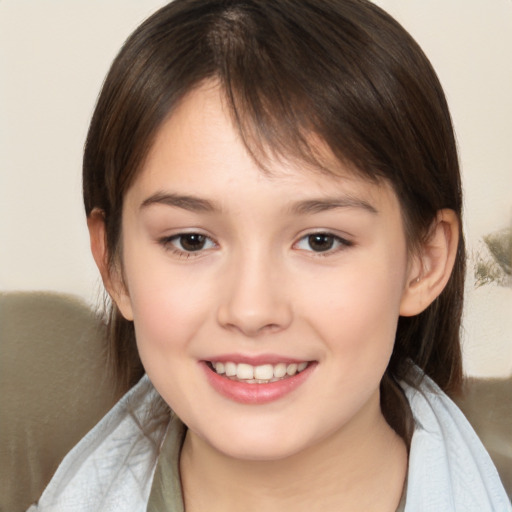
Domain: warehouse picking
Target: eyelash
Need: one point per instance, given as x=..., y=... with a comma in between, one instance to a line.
x=338, y=242
x=169, y=241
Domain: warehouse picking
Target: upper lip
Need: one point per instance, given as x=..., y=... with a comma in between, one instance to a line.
x=254, y=360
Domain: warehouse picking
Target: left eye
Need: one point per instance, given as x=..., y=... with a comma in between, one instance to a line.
x=190, y=242
x=321, y=242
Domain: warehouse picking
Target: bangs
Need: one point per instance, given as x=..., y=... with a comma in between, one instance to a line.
x=277, y=75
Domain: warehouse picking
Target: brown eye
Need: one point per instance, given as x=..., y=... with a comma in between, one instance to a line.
x=192, y=241
x=187, y=245
x=321, y=242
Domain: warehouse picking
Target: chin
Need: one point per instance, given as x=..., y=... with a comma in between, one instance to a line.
x=257, y=442
x=260, y=452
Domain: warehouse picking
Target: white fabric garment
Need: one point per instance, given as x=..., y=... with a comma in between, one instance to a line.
x=449, y=469
x=111, y=469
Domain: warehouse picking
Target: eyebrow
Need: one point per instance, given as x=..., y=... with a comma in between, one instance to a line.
x=191, y=203
x=309, y=206
x=322, y=205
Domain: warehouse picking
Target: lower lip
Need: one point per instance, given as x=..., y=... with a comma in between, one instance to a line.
x=255, y=394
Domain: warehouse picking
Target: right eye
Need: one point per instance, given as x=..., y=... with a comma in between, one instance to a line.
x=187, y=243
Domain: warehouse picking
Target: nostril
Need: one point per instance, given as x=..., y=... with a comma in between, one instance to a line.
x=253, y=329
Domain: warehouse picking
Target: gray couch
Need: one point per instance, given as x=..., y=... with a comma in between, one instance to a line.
x=53, y=388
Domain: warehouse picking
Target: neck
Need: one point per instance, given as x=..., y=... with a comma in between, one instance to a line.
x=360, y=467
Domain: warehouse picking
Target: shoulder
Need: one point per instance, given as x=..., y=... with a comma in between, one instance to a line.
x=112, y=467
x=449, y=468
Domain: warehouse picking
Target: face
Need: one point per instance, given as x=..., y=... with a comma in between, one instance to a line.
x=265, y=304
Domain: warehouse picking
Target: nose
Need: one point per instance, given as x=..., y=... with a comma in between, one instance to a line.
x=255, y=298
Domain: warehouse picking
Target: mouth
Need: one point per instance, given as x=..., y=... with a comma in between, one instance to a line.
x=266, y=380
x=260, y=374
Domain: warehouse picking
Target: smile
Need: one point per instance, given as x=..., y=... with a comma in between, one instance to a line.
x=264, y=381
x=261, y=374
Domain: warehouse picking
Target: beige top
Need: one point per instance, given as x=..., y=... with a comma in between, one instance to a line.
x=166, y=493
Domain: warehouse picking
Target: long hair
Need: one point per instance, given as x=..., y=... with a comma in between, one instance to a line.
x=293, y=71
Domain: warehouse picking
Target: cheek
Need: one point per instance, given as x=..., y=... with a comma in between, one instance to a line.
x=169, y=305
x=365, y=291
x=358, y=310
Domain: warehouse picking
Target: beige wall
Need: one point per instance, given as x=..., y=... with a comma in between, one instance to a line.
x=55, y=53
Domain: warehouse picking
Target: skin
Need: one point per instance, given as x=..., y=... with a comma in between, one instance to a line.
x=257, y=287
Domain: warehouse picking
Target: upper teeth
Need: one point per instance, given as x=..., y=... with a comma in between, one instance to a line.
x=264, y=372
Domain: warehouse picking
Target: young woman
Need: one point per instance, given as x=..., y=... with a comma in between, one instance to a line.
x=274, y=203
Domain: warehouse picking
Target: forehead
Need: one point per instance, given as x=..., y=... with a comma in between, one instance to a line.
x=199, y=148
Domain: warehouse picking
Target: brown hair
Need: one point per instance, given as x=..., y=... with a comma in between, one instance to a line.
x=341, y=70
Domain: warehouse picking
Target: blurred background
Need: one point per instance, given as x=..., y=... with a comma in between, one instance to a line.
x=54, y=55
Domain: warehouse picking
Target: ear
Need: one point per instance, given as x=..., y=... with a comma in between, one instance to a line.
x=431, y=267
x=112, y=278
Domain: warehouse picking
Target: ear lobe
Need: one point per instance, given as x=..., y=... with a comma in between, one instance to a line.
x=432, y=266
x=112, y=280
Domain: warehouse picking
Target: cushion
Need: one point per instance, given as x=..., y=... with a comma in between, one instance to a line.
x=54, y=386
